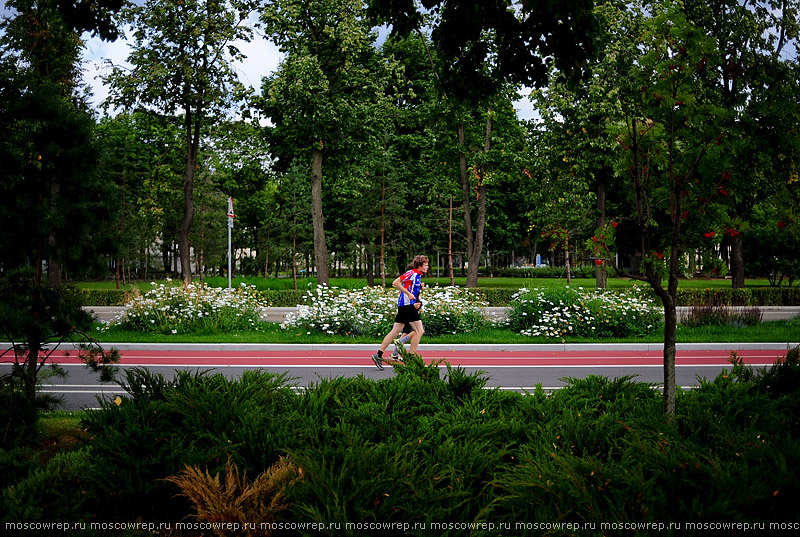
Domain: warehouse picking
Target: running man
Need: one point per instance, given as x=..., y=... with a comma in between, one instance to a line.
x=408, y=304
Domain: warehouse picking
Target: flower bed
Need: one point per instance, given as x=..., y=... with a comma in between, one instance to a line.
x=577, y=312
x=371, y=311
x=192, y=309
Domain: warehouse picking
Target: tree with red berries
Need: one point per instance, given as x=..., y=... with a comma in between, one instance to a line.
x=756, y=80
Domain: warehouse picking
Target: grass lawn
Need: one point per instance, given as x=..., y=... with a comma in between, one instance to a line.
x=442, y=281
x=59, y=431
x=773, y=331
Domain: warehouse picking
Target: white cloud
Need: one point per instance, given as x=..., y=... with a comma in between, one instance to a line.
x=524, y=107
x=96, y=56
x=262, y=59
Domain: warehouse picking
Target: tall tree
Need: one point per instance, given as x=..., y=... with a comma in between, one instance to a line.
x=482, y=46
x=46, y=52
x=241, y=169
x=144, y=158
x=181, y=64
x=561, y=202
x=670, y=142
x=757, y=83
x=95, y=16
x=48, y=155
x=328, y=95
x=575, y=117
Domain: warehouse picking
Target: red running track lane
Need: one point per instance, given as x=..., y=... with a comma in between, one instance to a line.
x=477, y=358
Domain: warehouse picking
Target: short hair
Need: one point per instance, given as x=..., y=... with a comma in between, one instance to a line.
x=419, y=261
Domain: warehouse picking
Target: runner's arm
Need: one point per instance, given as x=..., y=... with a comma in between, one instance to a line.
x=398, y=284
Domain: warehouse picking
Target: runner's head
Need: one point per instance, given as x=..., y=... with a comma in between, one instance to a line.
x=419, y=262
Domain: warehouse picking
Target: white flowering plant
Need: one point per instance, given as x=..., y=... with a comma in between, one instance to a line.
x=192, y=309
x=371, y=311
x=452, y=310
x=578, y=312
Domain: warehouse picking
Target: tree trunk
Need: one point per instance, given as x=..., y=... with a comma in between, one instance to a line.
x=465, y=195
x=667, y=296
x=601, y=271
x=320, y=246
x=737, y=262
x=53, y=265
x=383, y=232
x=294, y=251
x=370, y=267
x=192, y=145
x=32, y=370
x=450, y=246
x=670, y=334
x=474, y=239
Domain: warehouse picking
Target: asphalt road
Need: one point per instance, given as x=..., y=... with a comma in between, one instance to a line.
x=508, y=367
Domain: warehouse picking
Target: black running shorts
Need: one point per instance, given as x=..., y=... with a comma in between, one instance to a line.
x=407, y=314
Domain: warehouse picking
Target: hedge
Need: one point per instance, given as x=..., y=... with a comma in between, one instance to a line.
x=584, y=271
x=106, y=297
x=498, y=297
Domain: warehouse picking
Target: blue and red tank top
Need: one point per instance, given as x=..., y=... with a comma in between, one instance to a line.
x=411, y=281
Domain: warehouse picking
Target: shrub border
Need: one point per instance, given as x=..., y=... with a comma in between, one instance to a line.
x=498, y=297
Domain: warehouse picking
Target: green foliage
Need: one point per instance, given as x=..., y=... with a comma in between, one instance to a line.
x=67, y=475
x=36, y=319
x=758, y=296
x=191, y=419
x=18, y=415
x=770, y=245
x=584, y=271
x=105, y=297
x=15, y=464
x=143, y=157
x=275, y=293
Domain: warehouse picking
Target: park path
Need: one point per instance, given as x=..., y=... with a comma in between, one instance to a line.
x=342, y=355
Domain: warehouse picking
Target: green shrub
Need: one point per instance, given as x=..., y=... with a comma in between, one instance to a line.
x=584, y=271
x=496, y=296
x=433, y=444
x=452, y=310
x=708, y=315
x=191, y=419
x=755, y=296
x=287, y=298
x=106, y=297
x=57, y=492
x=15, y=464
